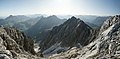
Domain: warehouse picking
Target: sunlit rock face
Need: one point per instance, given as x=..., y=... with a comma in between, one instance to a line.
x=15, y=45
x=72, y=33
x=106, y=46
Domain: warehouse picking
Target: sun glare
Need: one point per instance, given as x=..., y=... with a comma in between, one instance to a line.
x=59, y=7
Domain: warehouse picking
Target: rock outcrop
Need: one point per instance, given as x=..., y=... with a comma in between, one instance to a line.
x=15, y=45
x=73, y=32
x=106, y=46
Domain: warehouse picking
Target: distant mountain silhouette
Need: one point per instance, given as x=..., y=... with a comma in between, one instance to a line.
x=43, y=25
x=99, y=21
x=26, y=24
x=18, y=18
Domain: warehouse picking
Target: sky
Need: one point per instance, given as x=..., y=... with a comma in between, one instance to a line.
x=59, y=7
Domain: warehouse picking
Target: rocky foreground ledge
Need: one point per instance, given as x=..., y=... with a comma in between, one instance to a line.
x=15, y=45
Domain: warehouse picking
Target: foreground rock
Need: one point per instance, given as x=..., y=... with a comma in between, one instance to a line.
x=106, y=46
x=15, y=45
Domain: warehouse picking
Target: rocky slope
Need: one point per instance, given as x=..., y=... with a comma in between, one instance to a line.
x=106, y=46
x=15, y=45
x=73, y=32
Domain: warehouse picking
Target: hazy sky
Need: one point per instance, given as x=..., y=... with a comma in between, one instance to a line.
x=62, y=7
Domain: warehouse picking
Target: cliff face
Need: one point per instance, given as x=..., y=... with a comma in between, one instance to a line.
x=14, y=44
x=106, y=46
x=73, y=32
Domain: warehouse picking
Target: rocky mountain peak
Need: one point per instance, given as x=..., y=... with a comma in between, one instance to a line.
x=16, y=19
x=105, y=46
x=73, y=32
x=73, y=17
x=74, y=21
x=53, y=17
x=11, y=16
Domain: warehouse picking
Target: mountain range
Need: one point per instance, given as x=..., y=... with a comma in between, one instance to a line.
x=43, y=26
x=59, y=37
